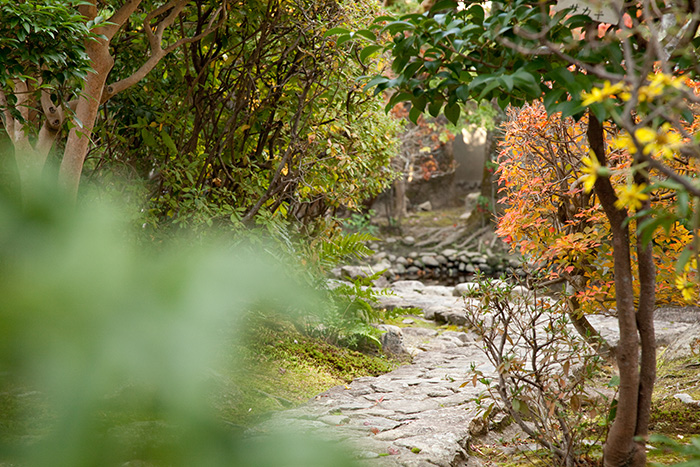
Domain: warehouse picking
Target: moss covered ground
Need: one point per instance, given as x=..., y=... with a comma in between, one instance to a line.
x=278, y=368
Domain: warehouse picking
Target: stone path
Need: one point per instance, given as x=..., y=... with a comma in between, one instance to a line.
x=419, y=414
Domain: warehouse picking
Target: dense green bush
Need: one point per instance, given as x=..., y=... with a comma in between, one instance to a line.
x=263, y=122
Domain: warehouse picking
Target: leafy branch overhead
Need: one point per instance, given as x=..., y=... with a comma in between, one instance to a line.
x=514, y=53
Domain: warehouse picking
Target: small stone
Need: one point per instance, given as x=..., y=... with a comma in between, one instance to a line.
x=408, y=240
x=430, y=261
x=449, y=252
x=457, y=318
x=441, y=259
x=413, y=255
x=408, y=321
x=401, y=260
x=687, y=399
x=392, y=339
x=427, y=206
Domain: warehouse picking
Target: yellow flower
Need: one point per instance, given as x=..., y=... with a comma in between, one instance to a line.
x=590, y=170
x=631, y=196
x=594, y=96
x=625, y=142
x=668, y=141
x=599, y=95
x=686, y=287
x=645, y=136
x=662, y=79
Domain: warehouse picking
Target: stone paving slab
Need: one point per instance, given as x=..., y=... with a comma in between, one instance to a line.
x=417, y=415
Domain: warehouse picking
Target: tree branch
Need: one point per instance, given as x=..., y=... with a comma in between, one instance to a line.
x=118, y=19
x=155, y=40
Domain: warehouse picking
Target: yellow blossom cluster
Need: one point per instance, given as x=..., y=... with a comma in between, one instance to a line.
x=663, y=142
x=687, y=287
x=658, y=83
x=631, y=196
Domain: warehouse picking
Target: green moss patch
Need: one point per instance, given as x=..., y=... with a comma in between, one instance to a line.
x=279, y=368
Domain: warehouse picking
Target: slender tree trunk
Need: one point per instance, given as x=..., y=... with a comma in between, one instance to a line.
x=634, y=397
x=78, y=141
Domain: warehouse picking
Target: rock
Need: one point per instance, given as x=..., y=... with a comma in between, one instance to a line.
x=429, y=261
x=449, y=253
x=392, y=340
x=407, y=286
x=441, y=259
x=413, y=255
x=470, y=201
x=458, y=318
x=462, y=289
x=401, y=260
x=381, y=265
x=400, y=269
x=408, y=321
x=461, y=336
x=354, y=272
x=408, y=240
x=681, y=345
x=421, y=332
x=687, y=399
x=427, y=206
x=441, y=290
x=430, y=312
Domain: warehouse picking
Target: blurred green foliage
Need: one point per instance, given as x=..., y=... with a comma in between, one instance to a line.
x=109, y=348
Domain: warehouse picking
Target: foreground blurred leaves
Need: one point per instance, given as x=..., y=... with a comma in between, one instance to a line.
x=118, y=343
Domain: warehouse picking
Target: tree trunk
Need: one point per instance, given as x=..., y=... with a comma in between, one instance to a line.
x=399, y=202
x=479, y=216
x=78, y=141
x=634, y=397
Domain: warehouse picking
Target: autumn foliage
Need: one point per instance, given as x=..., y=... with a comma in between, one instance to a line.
x=552, y=221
